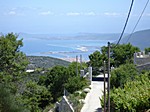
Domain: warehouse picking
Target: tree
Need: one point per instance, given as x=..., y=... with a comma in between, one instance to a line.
x=56, y=78
x=7, y=101
x=123, y=54
x=75, y=66
x=75, y=83
x=96, y=61
x=120, y=54
x=12, y=61
x=122, y=74
x=36, y=97
x=147, y=50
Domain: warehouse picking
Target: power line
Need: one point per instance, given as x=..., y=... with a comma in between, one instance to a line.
x=126, y=22
x=138, y=21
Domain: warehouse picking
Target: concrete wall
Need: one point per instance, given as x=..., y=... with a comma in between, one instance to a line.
x=65, y=106
x=141, y=58
x=142, y=61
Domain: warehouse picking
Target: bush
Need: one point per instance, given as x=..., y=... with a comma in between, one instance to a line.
x=135, y=96
x=75, y=83
x=8, y=102
x=36, y=97
x=121, y=75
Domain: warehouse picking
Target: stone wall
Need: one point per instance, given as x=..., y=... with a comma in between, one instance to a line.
x=65, y=106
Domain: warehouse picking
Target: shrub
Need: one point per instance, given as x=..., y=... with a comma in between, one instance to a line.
x=135, y=96
x=121, y=75
x=75, y=83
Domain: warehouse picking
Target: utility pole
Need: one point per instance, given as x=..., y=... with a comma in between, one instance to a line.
x=108, y=77
x=77, y=65
x=104, y=89
x=80, y=62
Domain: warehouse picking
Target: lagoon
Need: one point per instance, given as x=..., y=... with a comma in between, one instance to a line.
x=62, y=49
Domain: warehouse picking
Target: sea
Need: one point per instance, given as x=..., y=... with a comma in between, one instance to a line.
x=62, y=49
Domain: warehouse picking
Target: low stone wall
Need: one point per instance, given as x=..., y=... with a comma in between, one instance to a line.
x=144, y=67
x=65, y=106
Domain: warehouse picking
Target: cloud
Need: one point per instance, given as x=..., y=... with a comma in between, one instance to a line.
x=73, y=14
x=46, y=13
x=111, y=14
x=12, y=13
x=81, y=14
x=90, y=14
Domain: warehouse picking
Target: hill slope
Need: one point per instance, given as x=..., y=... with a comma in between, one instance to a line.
x=140, y=39
x=45, y=62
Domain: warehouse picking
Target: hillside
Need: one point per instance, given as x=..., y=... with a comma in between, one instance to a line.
x=140, y=39
x=45, y=62
x=78, y=36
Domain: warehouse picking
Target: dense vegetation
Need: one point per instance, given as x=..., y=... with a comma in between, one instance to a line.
x=38, y=91
x=32, y=92
x=147, y=50
x=129, y=88
x=134, y=97
x=119, y=55
x=45, y=62
x=122, y=74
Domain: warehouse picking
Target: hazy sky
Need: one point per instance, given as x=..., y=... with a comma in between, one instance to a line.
x=71, y=16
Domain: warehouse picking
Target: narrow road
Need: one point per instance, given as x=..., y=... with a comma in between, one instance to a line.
x=92, y=101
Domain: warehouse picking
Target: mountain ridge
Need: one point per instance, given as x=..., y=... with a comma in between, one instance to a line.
x=140, y=39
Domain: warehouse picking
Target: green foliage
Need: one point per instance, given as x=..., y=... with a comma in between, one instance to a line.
x=123, y=54
x=60, y=77
x=75, y=83
x=96, y=61
x=147, y=50
x=77, y=105
x=56, y=78
x=134, y=97
x=33, y=91
x=119, y=55
x=45, y=62
x=73, y=68
x=83, y=95
x=121, y=75
x=36, y=97
x=12, y=61
x=8, y=102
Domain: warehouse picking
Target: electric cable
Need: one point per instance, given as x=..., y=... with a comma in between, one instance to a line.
x=126, y=22
x=138, y=21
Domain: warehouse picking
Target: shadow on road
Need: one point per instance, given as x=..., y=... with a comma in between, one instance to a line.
x=98, y=79
x=99, y=110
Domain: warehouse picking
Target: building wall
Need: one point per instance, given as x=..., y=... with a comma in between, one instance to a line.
x=142, y=61
x=141, y=58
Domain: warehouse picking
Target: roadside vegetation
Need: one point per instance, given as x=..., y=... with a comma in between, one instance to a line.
x=39, y=90
x=36, y=91
x=130, y=88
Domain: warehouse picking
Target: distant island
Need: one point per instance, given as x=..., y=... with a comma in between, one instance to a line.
x=78, y=36
x=67, y=46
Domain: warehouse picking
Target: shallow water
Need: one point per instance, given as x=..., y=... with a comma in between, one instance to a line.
x=62, y=48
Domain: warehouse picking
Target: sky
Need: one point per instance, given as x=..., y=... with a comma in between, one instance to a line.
x=71, y=16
